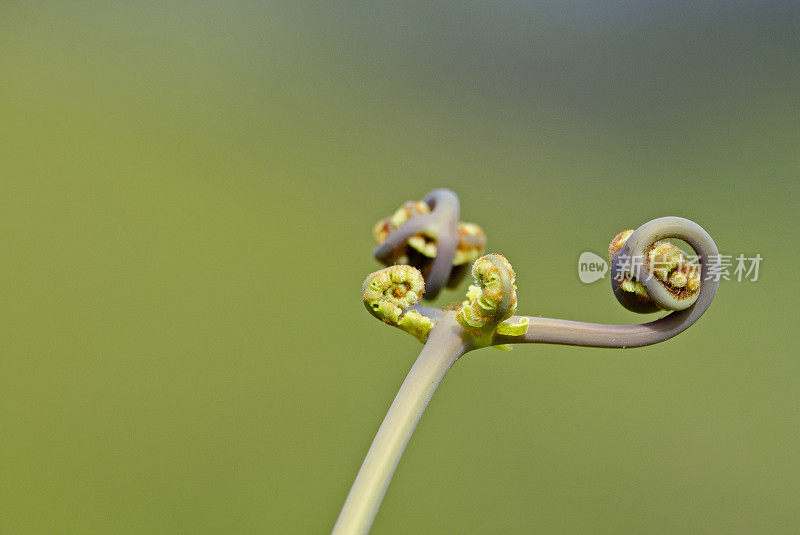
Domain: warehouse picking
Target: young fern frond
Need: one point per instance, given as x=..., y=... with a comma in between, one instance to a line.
x=429, y=236
x=667, y=263
x=491, y=301
x=661, y=280
x=390, y=295
x=686, y=305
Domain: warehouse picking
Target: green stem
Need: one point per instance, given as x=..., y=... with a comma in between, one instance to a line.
x=445, y=345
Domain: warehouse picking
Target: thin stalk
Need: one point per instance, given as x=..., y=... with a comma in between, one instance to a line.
x=445, y=345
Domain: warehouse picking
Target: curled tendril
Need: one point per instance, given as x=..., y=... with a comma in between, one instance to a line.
x=429, y=236
x=684, y=311
x=491, y=301
x=390, y=295
x=659, y=268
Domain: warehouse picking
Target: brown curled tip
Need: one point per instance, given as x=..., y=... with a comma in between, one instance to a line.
x=617, y=243
x=664, y=261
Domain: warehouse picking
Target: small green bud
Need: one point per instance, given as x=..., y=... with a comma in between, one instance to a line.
x=513, y=329
x=389, y=294
x=491, y=301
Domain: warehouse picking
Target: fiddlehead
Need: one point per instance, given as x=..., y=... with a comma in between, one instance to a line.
x=687, y=304
x=670, y=282
x=491, y=301
x=390, y=295
x=428, y=236
x=664, y=262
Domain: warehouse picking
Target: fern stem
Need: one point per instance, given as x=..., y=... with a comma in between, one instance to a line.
x=444, y=346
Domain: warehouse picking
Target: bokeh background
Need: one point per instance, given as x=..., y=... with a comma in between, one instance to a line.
x=187, y=191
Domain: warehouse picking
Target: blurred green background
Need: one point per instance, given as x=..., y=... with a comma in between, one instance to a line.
x=187, y=191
